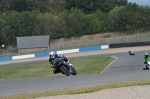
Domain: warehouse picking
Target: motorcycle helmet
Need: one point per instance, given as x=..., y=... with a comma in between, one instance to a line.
x=146, y=54
x=52, y=55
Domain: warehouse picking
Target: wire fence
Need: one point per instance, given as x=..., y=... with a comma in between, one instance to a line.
x=79, y=42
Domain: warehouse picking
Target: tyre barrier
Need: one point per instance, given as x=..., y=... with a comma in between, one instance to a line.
x=129, y=44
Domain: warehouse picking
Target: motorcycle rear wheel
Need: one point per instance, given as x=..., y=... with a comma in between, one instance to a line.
x=145, y=68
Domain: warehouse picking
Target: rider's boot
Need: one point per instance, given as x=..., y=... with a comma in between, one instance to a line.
x=56, y=71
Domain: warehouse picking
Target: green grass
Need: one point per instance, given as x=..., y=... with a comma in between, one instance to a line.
x=43, y=69
x=25, y=71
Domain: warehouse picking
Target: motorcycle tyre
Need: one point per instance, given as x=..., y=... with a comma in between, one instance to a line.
x=63, y=70
x=74, y=72
x=145, y=68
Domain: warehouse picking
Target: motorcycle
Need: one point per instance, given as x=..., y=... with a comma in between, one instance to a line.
x=62, y=68
x=131, y=53
x=147, y=63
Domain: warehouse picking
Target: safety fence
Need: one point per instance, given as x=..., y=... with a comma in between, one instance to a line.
x=58, y=52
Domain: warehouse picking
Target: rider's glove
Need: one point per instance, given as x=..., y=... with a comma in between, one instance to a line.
x=52, y=66
x=68, y=62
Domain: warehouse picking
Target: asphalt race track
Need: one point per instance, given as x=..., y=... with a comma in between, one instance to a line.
x=124, y=68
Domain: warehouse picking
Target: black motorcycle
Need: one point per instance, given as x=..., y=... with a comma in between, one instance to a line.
x=62, y=68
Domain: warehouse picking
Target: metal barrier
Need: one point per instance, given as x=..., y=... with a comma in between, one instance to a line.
x=59, y=52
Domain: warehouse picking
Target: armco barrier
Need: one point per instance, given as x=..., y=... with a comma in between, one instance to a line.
x=58, y=52
x=41, y=54
x=5, y=58
x=104, y=46
x=89, y=48
x=68, y=51
x=23, y=56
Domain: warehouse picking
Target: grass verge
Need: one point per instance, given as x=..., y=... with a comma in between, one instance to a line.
x=43, y=69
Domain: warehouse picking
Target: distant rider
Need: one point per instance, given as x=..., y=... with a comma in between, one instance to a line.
x=145, y=60
x=55, y=59
x=131, y=53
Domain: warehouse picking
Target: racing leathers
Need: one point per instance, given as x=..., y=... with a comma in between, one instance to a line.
x=145, y=60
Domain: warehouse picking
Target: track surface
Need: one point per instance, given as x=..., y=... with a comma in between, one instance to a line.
x=123, y=69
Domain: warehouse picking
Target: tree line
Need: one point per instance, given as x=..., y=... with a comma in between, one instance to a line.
x=67, y=18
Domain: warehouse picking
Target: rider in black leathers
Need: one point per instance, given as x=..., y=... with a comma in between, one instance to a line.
x=56, y=59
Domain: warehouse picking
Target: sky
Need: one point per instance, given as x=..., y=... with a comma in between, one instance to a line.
x=140, y=2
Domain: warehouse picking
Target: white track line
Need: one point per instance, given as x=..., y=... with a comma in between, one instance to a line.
x=110, y=63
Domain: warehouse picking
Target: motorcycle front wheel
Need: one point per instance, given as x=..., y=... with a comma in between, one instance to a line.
x=64, y=70
x=74, y=72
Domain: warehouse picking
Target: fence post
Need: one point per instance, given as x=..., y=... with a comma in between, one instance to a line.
x=3, y=49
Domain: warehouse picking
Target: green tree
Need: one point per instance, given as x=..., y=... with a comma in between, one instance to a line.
x=112, y=19
x=105, y=5
x=121, y=2
x=5, y=5
x=129, y=18
x=3, y=28
x=47, y=24
x=96, y=23
x=40, y=5
x=90, y=6
x=145, y=18
x=18, y=24
x=57, y=5
x=75, y=22
x=25, y=5
x=18, y=5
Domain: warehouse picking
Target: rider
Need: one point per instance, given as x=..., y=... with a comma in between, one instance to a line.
x=145, y=59
x=55, y=59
